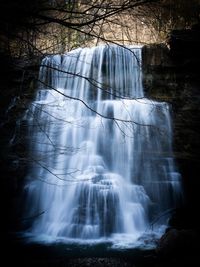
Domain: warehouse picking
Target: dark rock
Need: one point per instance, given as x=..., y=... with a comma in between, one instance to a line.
x=99, y=262
x=167, y=79
x=178, y=243
x=184, y=46
x=156, y=56
x=181, y=219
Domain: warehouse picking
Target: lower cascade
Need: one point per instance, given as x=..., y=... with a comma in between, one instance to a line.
x=101, y=156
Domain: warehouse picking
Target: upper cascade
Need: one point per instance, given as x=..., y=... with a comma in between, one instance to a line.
x=102, y=72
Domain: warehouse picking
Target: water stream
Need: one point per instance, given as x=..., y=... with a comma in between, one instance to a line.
x=102, y=164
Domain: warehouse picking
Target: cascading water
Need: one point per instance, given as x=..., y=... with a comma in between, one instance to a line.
x=102, y=164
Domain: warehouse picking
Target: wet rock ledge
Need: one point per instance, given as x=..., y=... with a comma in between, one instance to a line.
x=171, y=73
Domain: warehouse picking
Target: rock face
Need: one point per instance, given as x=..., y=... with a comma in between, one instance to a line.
x=171, y=73
x=181, y=245
x=16, y=88
x=184, y=46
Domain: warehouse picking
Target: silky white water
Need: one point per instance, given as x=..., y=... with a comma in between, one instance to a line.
x=101, y=156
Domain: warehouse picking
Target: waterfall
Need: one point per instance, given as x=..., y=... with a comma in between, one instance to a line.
x=101, y=153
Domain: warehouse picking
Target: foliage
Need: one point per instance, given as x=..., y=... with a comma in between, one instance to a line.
x=30, y=27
